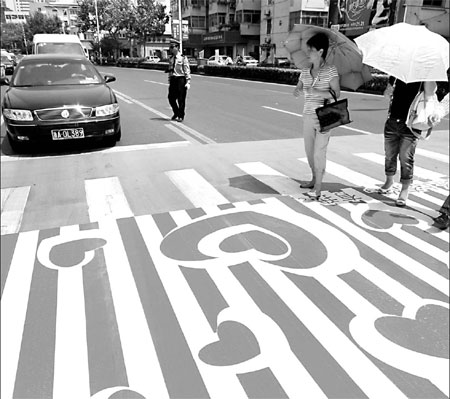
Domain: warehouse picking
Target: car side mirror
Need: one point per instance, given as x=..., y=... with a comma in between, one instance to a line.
x=109, y=78
x=4, y=81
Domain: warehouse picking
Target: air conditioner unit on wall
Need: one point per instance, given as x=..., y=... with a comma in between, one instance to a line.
x=267, y=13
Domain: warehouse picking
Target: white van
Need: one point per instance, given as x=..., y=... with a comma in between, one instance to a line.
x=52, y=43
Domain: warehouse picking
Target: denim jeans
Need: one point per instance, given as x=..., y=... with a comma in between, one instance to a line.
x=399, y=142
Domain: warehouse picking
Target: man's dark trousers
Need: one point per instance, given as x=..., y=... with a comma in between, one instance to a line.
x=177, y=95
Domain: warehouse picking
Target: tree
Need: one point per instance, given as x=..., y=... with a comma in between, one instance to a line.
x=41, y=23
x=12, y=36
x=151, y=19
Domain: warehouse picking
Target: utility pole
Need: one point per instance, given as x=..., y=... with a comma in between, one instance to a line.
x=180, y=27
x=98, y=32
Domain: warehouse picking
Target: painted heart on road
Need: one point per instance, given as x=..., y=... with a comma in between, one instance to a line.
x=72, y=252
x=236, y=344
x=427, y=334
x=386, y=219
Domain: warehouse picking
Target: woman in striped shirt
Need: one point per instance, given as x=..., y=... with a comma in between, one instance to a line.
x=316, y=83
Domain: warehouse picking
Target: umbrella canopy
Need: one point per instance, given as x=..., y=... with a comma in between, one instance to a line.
x=411, y=53
x=342, y=53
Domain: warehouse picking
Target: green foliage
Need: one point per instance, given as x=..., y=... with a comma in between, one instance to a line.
x=12, y=37
x=41, y=23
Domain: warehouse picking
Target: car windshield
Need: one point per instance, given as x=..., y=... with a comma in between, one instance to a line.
x=56, y=72
x=59, y=48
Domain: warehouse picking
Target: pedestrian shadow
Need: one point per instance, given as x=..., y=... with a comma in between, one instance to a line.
x=161, y=119
x=251, y=184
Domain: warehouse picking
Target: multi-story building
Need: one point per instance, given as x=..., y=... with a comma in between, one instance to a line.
x=66, y=11
x=18, y=5
x=230, y=26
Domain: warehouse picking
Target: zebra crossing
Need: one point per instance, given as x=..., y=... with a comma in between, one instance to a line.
x=276, y=296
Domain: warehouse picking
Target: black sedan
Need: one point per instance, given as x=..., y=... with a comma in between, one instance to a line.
x=54, y=98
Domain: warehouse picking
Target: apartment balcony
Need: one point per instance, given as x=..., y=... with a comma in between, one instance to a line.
x=247, y=29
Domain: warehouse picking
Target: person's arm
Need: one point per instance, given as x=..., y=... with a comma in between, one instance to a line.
x=187, y=72
x=298, y=89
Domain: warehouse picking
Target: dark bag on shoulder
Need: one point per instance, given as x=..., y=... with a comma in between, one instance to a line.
x=334, y=114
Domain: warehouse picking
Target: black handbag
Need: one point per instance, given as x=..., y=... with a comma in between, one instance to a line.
x=332, y=115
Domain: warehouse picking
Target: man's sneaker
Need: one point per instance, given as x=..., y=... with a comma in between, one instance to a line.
x=179, y=119
x=174, y=118
x=442, y=221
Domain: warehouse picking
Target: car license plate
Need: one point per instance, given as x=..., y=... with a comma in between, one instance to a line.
x=65, y=134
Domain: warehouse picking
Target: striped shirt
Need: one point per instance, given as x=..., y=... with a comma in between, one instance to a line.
x=322, y=82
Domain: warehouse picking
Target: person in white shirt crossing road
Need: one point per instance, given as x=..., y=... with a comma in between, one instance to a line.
x=179, y=80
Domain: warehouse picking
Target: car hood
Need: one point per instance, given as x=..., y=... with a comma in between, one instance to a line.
x=57, y=96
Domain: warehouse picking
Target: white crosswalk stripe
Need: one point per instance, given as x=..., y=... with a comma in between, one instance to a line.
x=296, y=276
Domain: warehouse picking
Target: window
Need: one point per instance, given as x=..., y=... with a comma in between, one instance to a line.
x=197, y=22
x=213, y=20
x=316, y=18
x=432, y=3
x=248, y=16
x=269, y=26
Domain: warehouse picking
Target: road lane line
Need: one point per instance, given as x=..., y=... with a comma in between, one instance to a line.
x=282, y=110
x=158, y=83
x=300, y=115
x=196, y=188
x=14, y=201
x=105, y=198
x=433, y=155
x=270, y=177
x=418, y=171
x=181, y=133
x=137, y=147
x=219, y=381
x=141, y=361
x=164, y=116
x=14, y=305
x=123, y=99
x=71, y=352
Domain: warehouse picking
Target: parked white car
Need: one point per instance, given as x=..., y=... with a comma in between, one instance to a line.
x=220, y=60
x=153, y=58
x=249, y=61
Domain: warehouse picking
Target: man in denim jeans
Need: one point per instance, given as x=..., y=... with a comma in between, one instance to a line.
x=399, y=140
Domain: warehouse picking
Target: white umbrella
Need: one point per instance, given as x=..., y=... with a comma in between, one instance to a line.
x=411, y=53
x=342, y=53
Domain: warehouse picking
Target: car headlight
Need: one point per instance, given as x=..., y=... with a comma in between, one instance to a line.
x=106, y=110
x=18, y=114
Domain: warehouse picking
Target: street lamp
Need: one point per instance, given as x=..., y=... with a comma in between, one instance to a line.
x=98, y=31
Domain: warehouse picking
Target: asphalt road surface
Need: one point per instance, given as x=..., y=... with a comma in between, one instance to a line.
x=186, y=262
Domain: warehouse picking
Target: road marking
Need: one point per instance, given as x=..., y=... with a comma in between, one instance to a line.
x=14, y=201
x=196, y=188
x=143, y=369
x=71, y=352
x=162, y=115
x=158, y=83
x=138, y=147
x=433, y=155
x=279, y=92
x=418, y=171
x=270, y=177
x=123, y=99
x=300, y=115
x=282, y=110
x=219, y=382
x=105, y=198
x=181, y=133
x=14, y=305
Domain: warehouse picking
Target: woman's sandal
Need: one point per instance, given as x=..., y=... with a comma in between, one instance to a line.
x=307, y=185
x=312, y=195
x=401, y=203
